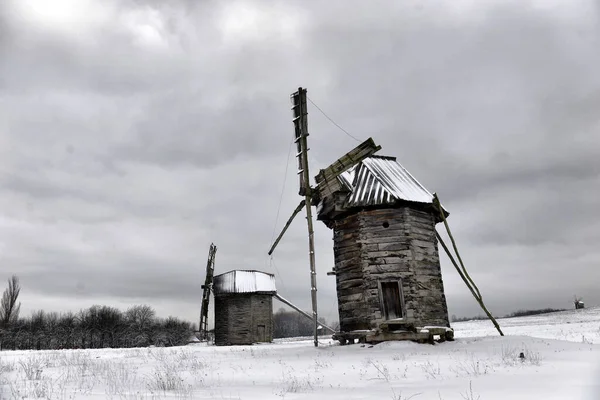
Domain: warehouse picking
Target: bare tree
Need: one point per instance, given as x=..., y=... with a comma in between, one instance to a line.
x=140, y=319
x=9, y=309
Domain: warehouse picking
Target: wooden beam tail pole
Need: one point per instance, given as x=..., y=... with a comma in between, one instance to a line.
x=463, y=273
x=307, y=315
x=287, y=225
x=438, y=205
x=460, y=273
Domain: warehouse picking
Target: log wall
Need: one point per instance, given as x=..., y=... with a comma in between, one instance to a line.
x=383, y=245
x=243, y=319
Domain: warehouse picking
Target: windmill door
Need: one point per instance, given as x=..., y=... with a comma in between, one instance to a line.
x=261, y=335
x=391, y=299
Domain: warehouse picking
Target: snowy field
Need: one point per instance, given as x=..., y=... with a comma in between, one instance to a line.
x=562, y=361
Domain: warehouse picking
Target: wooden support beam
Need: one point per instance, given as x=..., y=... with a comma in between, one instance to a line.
x=327, y=182
x=348, y=160
x=287, y=225
x=438, y=205
x=307, y=315
x=462, y=271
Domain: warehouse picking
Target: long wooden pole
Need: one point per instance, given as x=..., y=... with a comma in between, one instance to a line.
x=307, y=191
x=439, y=206
x=465, y=280
x=313, y=272
x=462, y=270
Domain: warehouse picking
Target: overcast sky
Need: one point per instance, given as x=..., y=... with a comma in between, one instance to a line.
x=135, y=133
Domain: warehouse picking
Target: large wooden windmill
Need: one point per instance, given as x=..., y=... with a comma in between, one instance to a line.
x=387, y=269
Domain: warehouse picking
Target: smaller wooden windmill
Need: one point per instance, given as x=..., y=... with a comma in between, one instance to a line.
x=207, y=289
x=243, y=305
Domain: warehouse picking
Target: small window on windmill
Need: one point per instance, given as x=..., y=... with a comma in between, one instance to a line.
x=390, y=293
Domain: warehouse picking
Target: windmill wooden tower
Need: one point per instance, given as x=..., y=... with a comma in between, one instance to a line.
x=244, y=307
x=387, y=268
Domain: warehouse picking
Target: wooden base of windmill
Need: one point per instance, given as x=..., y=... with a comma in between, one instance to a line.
x=429, y=334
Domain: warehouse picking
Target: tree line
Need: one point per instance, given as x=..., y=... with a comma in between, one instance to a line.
x=103, y=326
x=94, y=327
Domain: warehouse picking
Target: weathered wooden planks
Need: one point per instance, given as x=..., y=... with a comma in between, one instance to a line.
x=348, y=160
x=243, y=319
x=383, y=245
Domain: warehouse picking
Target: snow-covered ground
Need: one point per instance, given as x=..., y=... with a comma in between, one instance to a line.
x=581, y=326
x=562, y=361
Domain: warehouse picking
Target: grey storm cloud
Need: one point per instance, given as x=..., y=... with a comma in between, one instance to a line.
x=134, y=134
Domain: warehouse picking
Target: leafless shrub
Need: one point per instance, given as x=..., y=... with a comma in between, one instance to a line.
x=291, y=383
x=32, y=368
x=431, y=371
x=472, y=367
x=585, y=340
x=533, y=357
x=166, y=379
x=6, y=367
x=508, y=354
x=511, y=356
x=120, y=379
x=44, y=388
x=294, y=384
x=189, y=361
x=159, y=354
x=40, y=389
x=469, y=394
x=399, y=396
x=382, y=370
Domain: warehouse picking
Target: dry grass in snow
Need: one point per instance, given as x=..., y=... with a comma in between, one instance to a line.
x=478, y=365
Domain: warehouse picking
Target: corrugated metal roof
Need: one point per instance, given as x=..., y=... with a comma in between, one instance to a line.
x=382, y=180
x=347, y=177
x=244, y=281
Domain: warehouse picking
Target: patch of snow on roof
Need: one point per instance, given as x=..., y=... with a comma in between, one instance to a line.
x=380, y=180
x=242, y=281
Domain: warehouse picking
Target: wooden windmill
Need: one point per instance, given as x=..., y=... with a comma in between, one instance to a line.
x=325, y=180
x=375, y=182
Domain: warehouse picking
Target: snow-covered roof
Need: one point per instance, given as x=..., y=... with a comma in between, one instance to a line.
x=244, y=281
x=380, y=180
